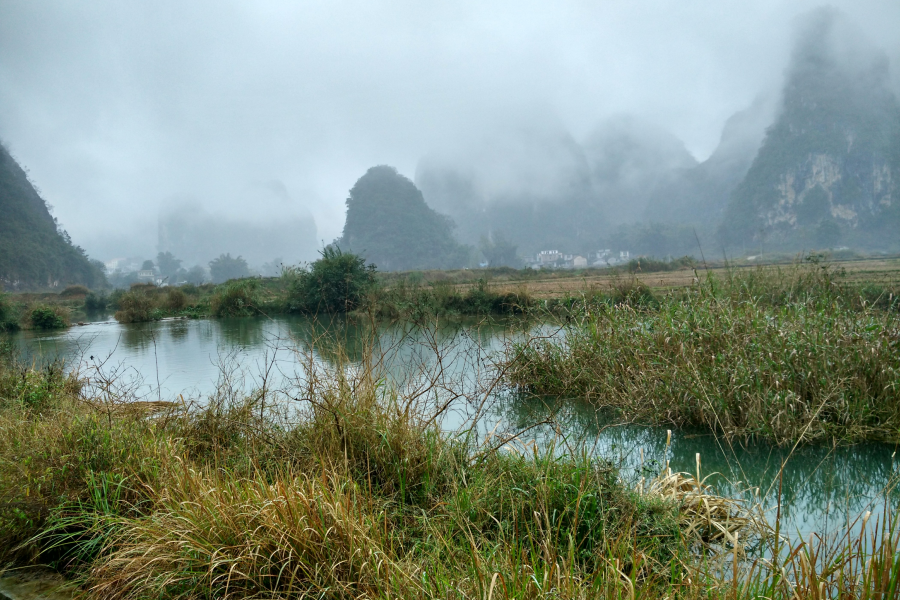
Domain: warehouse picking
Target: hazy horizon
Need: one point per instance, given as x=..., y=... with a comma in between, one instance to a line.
x=265, y=109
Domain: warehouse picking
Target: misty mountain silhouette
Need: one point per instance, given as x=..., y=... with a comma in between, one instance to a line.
x=828, y=171
x=33, y=251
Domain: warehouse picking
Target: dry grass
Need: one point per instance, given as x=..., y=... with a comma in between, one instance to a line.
x=343, y=486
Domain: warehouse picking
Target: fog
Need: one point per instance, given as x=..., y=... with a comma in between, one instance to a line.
x=269, y=111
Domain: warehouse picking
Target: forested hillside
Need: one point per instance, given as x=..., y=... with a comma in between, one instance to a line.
x=390, y=225
x=33, y=252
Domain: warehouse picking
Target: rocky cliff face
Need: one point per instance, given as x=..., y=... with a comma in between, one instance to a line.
x=829, y=168
x=698, y=195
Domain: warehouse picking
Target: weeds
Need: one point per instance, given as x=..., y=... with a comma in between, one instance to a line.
x=47, y=317
x=343, y=485
x=795, y=359
x=354, y=491
x=236, y=298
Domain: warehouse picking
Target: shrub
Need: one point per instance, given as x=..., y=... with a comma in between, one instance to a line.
x=135, y=306
x=95, y=302
x=8, y=321
x=74, y=290
x=175, y=300
x=236, y=298
x=336, y=283
x=48, y=317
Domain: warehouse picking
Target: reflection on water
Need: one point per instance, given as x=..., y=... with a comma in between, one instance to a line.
x=821, y=487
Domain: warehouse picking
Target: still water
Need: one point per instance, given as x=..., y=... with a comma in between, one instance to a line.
x=822, y=487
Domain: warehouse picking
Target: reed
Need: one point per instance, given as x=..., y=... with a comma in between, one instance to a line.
x=785, y=357
x=342, y=485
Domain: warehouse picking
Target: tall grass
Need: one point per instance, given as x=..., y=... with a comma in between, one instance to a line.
x=416, y=300
x=781, y=356
x=343, y=485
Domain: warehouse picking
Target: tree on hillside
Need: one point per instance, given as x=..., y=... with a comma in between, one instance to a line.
x=35, y=251
x=499, y=251
x=168, y=264
x=389, y=223
x=225, y=267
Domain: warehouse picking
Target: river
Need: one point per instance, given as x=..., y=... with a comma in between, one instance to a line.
x=822, y=487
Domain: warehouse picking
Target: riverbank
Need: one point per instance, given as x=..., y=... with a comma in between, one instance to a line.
x=787, y=356
x=412, y=295
x=356, y=492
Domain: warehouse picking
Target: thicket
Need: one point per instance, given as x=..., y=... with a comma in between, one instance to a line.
x=8, y=315
x=338, y=282
x=48, y=317
x=238, y=298
x=782, y=355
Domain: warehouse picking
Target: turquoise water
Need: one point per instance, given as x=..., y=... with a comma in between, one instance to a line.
x=822, y=487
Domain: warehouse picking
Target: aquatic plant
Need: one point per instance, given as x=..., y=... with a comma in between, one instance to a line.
x=809, y=361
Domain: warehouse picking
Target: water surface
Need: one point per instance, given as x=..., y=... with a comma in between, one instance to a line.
x=821, y=487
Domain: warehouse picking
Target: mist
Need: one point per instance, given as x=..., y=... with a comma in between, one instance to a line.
x=123, y=111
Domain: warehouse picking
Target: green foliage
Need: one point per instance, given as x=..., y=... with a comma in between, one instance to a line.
x=95, y=302
x=175, y=300
x=781, y=357
x=34, y=251
x=48, y=317
x=8, y=318
x=238, y=298
x=390, y=225
x=135, y=306
x=225, y=267
x=336, y=283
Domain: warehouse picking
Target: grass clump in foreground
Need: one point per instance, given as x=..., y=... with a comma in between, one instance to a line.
x=774, y=355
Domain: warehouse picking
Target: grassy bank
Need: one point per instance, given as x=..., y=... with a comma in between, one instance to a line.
x=274, y=296
x=355, y=492
x=786, y=355
x=42, y=311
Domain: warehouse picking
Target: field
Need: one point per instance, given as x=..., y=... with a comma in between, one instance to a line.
x=879, y=271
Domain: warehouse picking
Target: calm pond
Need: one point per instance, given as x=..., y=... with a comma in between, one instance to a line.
x=822, y=486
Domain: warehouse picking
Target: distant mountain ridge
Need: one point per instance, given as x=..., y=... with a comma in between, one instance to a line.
x=33, y=252
x=828, y=171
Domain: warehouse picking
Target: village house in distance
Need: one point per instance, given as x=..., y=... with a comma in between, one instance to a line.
x=554, y=259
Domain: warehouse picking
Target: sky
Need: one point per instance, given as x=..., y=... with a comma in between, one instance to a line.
x=262, y=109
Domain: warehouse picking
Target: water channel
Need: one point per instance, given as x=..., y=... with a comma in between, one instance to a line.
x=822, y=487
